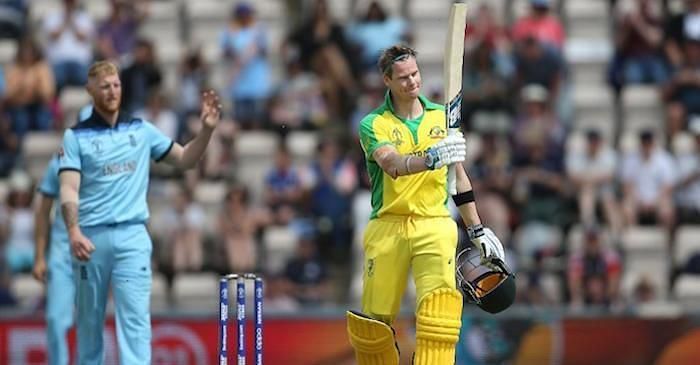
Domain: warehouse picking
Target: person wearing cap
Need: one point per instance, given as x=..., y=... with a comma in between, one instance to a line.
x=687, y=188
x=541, y=24
x=647, y=177
x=592, y=170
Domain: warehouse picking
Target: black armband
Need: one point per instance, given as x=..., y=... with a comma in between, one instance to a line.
x=463, y=198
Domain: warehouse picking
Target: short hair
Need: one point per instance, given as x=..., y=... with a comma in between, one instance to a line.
x=389, y=56
x=102, y=68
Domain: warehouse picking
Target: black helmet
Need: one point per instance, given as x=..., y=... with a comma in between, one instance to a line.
x=490, y=285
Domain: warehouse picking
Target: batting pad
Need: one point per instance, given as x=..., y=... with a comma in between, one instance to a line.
x=372, y=340
x=438, y=321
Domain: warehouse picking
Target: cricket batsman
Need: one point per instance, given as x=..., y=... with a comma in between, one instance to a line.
x=407, y=152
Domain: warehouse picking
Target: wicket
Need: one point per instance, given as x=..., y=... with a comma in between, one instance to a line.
x=240, y=317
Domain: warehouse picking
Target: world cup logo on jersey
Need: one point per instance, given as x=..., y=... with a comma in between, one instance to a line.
x=97, y=146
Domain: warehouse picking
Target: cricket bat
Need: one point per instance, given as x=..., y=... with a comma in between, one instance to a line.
x=452, y=77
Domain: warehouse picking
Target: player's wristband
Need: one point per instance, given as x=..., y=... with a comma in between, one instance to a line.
x=463, y=198
x=408, y=164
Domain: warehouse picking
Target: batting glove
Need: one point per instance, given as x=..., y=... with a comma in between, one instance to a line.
x=451, y=149
x=487, y=242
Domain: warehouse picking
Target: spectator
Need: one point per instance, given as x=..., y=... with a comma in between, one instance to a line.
x=682, y=91
x=644, y=291
x=540, y=180
x=492, y=179
x=323, y=48
x=9, y=146
x=374, y=32
x=30, y=89
x=687, y=186
x=592, y=171
x=536, y=115
x=680, y=29
x=648, y=177
x=541, y=25
x=194, y=75
x=19, y=248
x=330, y=181
x=239, y=224
x=537, y=65
x=283, y=190
x=483, y=29
x=140, y=77
x=638, y=38
x=594, y=272
x=298, y=102
x=486, y=83
x=244, y=44
x=71, y=35
x=118, y=33
x=185, y=222
x=278, y=295
x=308, y=274
x=158, y=112
x=13, y=18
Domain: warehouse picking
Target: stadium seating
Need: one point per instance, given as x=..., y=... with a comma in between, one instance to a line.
x=686, y=244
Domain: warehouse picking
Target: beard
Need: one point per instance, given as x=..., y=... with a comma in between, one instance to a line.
x=109, y=106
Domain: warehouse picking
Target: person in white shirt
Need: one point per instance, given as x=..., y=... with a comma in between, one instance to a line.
x=648, y=177
x=70, y=36
x=592, y=170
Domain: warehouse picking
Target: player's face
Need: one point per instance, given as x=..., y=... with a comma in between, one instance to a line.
x=106, y=92
x=405, y=81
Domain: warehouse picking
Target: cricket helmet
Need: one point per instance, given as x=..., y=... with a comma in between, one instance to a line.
x=489, y=284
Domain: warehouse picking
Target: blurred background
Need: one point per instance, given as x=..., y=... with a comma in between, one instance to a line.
x=583, y=126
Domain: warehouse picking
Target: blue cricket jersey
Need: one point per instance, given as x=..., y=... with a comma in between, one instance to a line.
x=114, y=165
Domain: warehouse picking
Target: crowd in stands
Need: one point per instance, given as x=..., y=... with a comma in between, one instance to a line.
x=534, y=186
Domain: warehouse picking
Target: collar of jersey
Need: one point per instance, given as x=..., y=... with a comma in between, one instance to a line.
x=427, y=104
x=97, y=120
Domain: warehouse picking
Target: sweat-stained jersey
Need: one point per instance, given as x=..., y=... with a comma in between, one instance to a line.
x=423, y=194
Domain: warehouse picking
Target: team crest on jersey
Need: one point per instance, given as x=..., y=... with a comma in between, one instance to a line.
x=436, y=133
x=397, y=137
x=132, y=140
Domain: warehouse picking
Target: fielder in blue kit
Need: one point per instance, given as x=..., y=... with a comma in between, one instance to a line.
x=54, y=268
x=104, y=172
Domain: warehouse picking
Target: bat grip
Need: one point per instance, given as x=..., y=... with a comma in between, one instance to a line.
x=451, y=174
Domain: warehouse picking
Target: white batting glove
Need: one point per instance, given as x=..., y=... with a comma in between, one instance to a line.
x=451, y=149
x=487, y=242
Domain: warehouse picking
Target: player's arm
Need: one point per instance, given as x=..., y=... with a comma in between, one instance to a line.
x=41, y=235
x=186, y=157
x=452, y=149
x=482, y=237
x=70, y=186
x=468, y=210
x=395, y=164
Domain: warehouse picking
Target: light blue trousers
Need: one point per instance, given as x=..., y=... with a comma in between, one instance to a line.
x=122, y=258
x=60, y=296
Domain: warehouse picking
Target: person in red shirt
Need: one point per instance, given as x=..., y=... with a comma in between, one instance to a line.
x=540, y=24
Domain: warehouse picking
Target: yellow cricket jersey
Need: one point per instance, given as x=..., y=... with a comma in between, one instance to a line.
x=423, y=194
